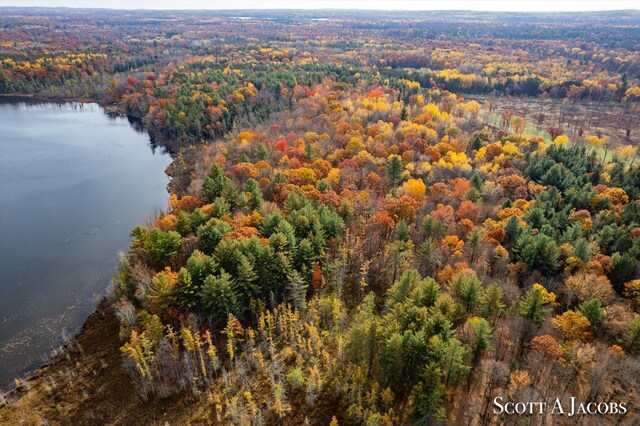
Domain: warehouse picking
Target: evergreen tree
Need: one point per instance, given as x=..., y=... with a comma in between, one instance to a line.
x=482, y=336
x=491, y=303
x=426, y=292
x=513, y=228
x=197, y=219
x=187, y=294
x=246, y=279
x=297, y=290
x=219, y=298
x=429, y=397
x=532, y=305
x=432, y=229
x=394, y=169
x=632, y=337
x=582, y=250
x=401, y=289
x=623, y=270
x=427, y=255
x=160, y=245
x=402, y=231
x=183, y=223
x=252, y=188
x=468, y=288
x=211, y=234
x=592, y=309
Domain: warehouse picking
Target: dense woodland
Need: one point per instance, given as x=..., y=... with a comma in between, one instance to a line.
x=350, y=238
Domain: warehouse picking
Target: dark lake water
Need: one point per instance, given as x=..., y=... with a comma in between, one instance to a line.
x=73, y=183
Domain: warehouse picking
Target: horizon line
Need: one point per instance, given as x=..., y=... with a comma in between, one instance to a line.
x=316, y=9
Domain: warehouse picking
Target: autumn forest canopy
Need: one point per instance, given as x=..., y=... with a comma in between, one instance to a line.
x=374, y=218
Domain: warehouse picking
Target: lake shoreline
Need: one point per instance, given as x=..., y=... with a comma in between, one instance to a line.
x=30, y=375
x=85, y=383
x=92, y=354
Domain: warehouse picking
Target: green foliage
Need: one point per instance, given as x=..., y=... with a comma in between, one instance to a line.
x=211, y=233
x=428, y=257
x=532, y=305
x=453, y=356
x=402, y=231
x=297, y=290
x=394, y=169
x=429, y=397
x=426, y=292
x=632, y=337
x=432, y=229
x=247, y=279
x=362, y=339
x=468, y=288
x=220, y=207
x=252, y=188
x=296, y=378
x=624, y=266
x=161, y=245
x=592, y=309
x=183, y=223
x=199, y=266
x=481, y=336
x=513, y=228
x=187, y=294
x=582, y=250
x=198, y=218
x=492, y=301
x=218, y=185
x=401, y=289
x=538, y=252
x=219, y=298
x=401, y=356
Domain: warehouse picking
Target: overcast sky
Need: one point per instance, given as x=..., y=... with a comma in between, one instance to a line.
x=489, y=5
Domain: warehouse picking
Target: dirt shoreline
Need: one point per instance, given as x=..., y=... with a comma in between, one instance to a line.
x=85, y=384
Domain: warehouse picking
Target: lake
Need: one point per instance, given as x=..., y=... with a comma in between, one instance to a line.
x=74, y=182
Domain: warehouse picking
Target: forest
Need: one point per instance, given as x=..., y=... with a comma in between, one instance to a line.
x=373, y=219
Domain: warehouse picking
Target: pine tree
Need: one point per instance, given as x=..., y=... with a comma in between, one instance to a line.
x=212, y=185
x=187, y=294
x=199, y=266
x=482, y=336
x=468, y=288
x=432, y=229
x=297, y=290
x=513, y=228
x=454, y=363
x=592, y=309
x=532, y=305
x=548, y=255
x=218, y=297
x=582, y=250
x=428, y=258
x=426, y=292
x=160, y=245
x=402, y=231
x=246, y=279
x=305, y=257
x=632, y=337
x=401, y=289
x=395, y=169
x=211, y=234
x=183, y=223
x=197, y=219
x=491, y=303
x=429, y=397
x=252, y=188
